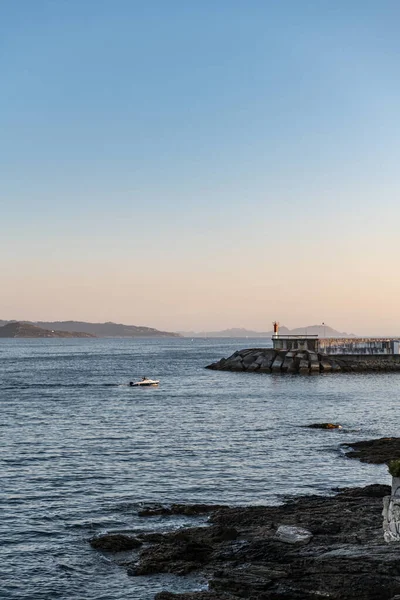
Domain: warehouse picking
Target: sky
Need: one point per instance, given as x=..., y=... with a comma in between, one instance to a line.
x=195, y=165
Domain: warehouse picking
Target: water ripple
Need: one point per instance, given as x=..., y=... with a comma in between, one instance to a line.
x=81, y=450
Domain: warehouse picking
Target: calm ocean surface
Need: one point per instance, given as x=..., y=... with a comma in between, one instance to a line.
x=80, y=450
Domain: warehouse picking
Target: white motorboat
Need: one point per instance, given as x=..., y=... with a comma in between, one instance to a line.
x=144, y=382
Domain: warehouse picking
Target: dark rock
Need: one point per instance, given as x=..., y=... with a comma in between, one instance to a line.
x=375, y=451
x=178, y=552
x=241, y=582
x=193, y=509
x=177, y=509
x=277, y=364
x=115, y=542
x=154, y=510
x=346, y=559
x=305, y=362
x=302, y=366
x=253, y=367
x=224, y=534
x=375, y=490
x=324, y=426
x=235, y=365
x=191, y=596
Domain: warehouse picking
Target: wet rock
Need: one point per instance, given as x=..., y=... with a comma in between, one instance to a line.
x=377, y=451
x=154, y=510
x=346, y=557
x=324, y=426
x=178, y=552
x=115, y=542
x=375, y=490
x=277, y=364
x=190, y=596
x=177, y=509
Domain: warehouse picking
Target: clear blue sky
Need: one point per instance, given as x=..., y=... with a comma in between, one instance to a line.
x=167, y=162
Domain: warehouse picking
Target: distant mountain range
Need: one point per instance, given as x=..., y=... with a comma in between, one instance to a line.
x=320, y=330
x=96, y=329
x=119, y=330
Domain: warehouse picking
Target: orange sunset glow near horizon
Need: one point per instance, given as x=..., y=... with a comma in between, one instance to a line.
x=200, y=169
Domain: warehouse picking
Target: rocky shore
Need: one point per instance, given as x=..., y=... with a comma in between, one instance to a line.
x=309, y=547
x=377, y=452
x=268, y=360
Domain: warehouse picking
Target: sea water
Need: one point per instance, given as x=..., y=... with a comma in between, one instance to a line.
x=81, y=451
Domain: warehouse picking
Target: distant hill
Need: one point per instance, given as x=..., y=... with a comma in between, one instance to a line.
x=320, y=330
x=106, y=329
x=17, y=329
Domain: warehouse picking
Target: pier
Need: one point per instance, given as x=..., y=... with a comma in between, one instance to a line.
x=309, y=354
x=313, y=343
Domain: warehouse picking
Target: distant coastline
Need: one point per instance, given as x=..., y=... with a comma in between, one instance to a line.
x=240, y=332
x=46, y=329
x=26, y=330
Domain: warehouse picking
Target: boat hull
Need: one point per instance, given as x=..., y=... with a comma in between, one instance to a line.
x=148, y=383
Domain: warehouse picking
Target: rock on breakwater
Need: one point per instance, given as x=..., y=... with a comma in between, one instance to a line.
x=268, y=360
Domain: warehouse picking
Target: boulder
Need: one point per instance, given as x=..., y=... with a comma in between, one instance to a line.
x=313, y=363
x=266, y=362
x=303, y=366
x=236, y=364
x=277, y=364
x=248, y=360
x=325, y=365
x=261, y=359
x=324, y=426
x=115, y=542
x=253, y=367
x=288, y=363
x=293, y=535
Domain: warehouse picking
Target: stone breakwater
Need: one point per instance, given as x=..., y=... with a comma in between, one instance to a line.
x=268, y=360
